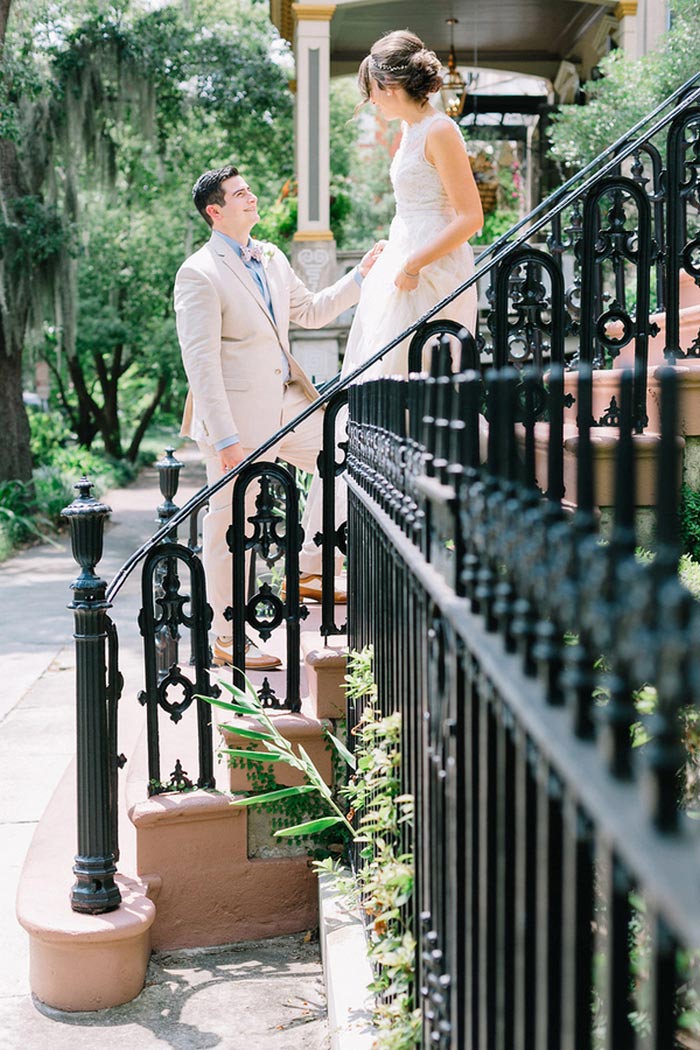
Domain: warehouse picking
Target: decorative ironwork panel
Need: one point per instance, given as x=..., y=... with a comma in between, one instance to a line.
x=275, y=533
x=174, y=691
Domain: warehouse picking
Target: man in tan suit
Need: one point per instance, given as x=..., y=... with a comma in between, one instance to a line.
x=234, y=301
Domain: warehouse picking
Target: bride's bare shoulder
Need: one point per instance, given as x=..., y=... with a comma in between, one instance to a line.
x=443, y=134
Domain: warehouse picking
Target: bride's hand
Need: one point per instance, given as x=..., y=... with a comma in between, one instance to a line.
x=369, y=258
x=406, y=279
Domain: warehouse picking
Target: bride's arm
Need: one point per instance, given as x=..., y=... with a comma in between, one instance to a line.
x=444, y=149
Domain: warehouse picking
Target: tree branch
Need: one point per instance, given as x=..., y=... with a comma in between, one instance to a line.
x=146, y=419
x=62, y=394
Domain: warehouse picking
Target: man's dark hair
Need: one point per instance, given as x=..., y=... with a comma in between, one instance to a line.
x=207, y=189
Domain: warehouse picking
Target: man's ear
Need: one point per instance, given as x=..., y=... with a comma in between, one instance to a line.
x=212, y=211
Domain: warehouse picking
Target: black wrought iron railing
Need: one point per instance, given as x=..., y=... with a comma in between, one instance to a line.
x=680, y=104
x=555, y=901
x=628, y=223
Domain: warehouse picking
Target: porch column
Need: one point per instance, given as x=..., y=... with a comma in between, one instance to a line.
x=313, y=247
x=626, y=14
x=313, y=253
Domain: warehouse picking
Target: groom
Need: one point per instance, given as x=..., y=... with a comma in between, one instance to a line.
x=234, y=301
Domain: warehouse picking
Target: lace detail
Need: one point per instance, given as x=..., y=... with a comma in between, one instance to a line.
x=422, y=210
x=416, y=183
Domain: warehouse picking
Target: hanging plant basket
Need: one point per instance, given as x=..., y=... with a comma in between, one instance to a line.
x=486, y=180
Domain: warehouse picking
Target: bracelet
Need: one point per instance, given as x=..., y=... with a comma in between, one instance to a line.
x=407, y=274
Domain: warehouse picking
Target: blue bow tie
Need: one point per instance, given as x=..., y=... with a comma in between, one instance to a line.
x=254, y=250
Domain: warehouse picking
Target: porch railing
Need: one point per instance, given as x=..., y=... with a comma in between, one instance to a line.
x=556, y=889
x=624, y=225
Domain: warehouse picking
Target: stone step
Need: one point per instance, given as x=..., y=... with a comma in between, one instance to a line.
x=301, y=730
x=79, y=962
x=326, y=665
x=195, y=845
x=604, y=442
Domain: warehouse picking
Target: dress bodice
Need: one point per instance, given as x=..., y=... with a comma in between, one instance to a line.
x=418, y=189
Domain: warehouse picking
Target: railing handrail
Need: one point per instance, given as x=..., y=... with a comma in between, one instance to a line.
x=562, y=198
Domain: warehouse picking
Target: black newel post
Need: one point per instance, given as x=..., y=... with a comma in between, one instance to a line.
x=168, y=478
x=94, y=890
x=166, y=574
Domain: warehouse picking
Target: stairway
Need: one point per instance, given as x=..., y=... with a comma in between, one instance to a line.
x=194, y=870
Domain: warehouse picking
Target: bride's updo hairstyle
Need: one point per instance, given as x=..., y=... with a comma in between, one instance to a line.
x=399, y=59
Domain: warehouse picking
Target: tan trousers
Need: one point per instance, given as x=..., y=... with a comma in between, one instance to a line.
x=299, y=448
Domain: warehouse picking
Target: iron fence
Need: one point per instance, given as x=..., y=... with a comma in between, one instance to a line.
x=514, y=642
x=540, y=826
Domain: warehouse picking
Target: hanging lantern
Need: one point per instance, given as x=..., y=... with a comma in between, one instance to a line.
x=454, y=86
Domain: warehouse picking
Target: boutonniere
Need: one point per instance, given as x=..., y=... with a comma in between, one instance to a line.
x=268, y=253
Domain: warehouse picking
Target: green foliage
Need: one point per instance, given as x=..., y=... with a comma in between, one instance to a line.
x=496, y=223
x=33, y=511
x=114, y=111
x=32, y=233
x=690, y=521
x=359, y=681
x=274, y=747
x=385, y=880
x=628, y=89
x=19, y=517
x=48, y=433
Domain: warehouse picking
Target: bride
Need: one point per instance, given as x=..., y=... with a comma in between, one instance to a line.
x=437, y=208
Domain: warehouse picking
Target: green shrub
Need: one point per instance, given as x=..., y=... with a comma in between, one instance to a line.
x=690, y=522
x=32, y=511
x=52, y=492
x=104, y=472
x=18, y=513
x=48, y=433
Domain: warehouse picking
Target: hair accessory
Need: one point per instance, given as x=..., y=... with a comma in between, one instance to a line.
x=385, y=68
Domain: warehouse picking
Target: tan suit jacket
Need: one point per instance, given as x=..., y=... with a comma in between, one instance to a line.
x=232, y=348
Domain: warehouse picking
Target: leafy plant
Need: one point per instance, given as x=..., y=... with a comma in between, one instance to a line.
x=20, y=517
x=385, y=877
x=690, y=521
x=384, y=881
x=274, y=747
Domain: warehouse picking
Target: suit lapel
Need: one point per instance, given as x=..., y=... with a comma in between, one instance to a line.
x=232, y=262
x=278, y=292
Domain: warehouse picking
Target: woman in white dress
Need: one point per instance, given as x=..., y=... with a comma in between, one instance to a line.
x=437, y=208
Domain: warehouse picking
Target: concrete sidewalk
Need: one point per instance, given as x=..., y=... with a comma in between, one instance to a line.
x=253, y=996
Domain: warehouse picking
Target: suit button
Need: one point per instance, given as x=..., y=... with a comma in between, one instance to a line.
x=278, y=371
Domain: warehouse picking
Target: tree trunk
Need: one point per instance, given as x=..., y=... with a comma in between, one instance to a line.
x=15, y=456
x=108, y=419
x=85, y=424
x=4, y=15
x=146, y=419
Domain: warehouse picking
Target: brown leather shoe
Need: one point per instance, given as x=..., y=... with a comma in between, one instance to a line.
x=255, y=659
x=310, y=588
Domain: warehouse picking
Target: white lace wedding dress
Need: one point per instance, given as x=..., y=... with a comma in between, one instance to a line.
x=422, y=210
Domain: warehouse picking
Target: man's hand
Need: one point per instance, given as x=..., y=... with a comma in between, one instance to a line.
x=369, y=259
x=231, y=456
